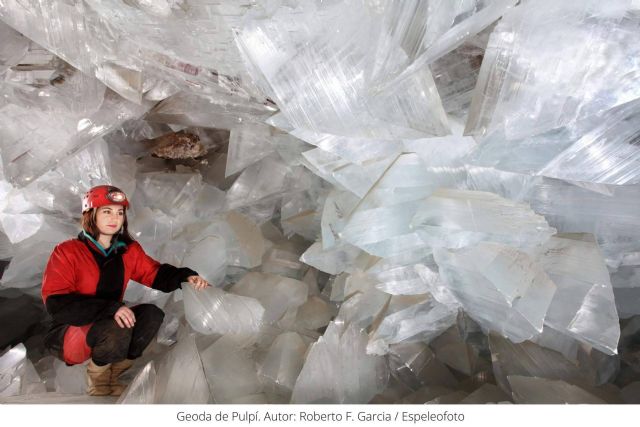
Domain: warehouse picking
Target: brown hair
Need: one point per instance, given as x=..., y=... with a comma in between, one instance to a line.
x=91, y=227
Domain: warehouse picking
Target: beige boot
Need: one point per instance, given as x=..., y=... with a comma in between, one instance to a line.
x=98, y=379
x=118, y=369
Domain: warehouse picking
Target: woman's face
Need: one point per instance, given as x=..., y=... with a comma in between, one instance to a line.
x=109, y=219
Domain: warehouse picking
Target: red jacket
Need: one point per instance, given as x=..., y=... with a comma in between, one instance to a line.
x=82, y=284
x=73, y=269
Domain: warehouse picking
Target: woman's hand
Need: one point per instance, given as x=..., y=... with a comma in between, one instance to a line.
x=125, y=317
x=197, y=282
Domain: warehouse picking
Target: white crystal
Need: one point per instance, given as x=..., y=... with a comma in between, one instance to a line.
x=451, y=349
x=12, y=365
x=611, y=218
x=61, y=188
x=247, y=145
x=338, y=370
x=173, y=193
x=214, y=311
x=415, y=366
x=292, y=47
x=447, y=26
x=284, y=260
x=283, y=363
x=19, y=227
x=265, y=178
x=30, y=255
x=626, y=288
x=333, y=261
x=457, y=218
x=142, y=389
x=337, y=208
x=314, y=314
x=136, y=293
x=363, y=308
x=501, y=287
x=218, y=109
x=399, y=280
x=130, y=67
x=180, y=378
x=583, y=305
x=208, y=257
x=230, y=371
x=354, y=150
x=247, y=245
x=70, y=379
x=276, y=294
x=14, y=47
x=584, y=69
x=419, y=322
x=28, y=153
x=607, y=154
x=357, y=178
x=531, y=360
x=300, y=213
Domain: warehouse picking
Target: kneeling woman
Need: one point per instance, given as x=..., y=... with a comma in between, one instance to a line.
x=83, y=286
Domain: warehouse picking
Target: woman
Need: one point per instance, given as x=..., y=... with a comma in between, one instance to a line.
x=83, y=286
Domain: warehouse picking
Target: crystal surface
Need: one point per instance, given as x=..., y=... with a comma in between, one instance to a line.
x=585, y=72
x=208, y=258
x=420, y=322
x=60, y=188
x=394, y=202
x=333, y=261
x=230, y=371
x=531, y=360
x=30, y=255
x=503, y=288
x=315, y=313
x=15, y=46
x=142, y=389
x=283, y=363
x=30, y=151
x=12, y=366
x=416, y=366
x=458, y=218
x=292, y=63
x=584, y=304
x=451, y=349
x=180, y=377
x=214, y=311
x=259, y=181
x=363, y=308
x=610, y=216
x=247, y=145
x=400, y=280
x=171, y=193
x=207, y=54
x=70, y=379
x=275, y=293
x=338, y=369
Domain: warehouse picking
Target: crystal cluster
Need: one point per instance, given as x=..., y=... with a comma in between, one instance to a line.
x=395, y=202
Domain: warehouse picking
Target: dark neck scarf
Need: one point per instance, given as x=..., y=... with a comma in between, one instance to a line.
x=111, y=280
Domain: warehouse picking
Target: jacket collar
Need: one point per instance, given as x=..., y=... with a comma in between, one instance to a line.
x=96, y=246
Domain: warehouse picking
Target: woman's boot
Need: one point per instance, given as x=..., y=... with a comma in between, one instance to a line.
x=117, y=369
x=98, y=379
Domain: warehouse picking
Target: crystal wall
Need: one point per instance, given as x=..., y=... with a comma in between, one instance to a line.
x=396, y=202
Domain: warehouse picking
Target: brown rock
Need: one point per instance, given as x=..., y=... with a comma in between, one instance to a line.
x=178, y=145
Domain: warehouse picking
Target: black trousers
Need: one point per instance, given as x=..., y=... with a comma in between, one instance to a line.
x=110, y=343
